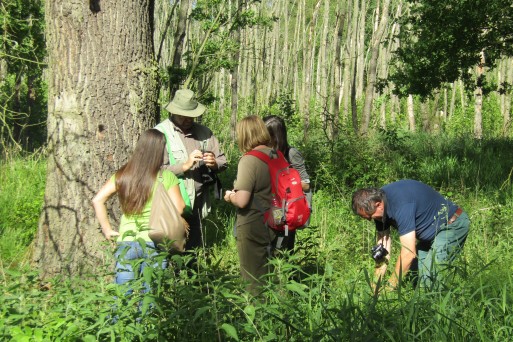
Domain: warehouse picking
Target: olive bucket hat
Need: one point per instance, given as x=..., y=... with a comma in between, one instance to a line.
x=185, y=104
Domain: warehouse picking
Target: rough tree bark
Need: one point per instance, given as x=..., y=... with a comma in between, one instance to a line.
x=102, y=93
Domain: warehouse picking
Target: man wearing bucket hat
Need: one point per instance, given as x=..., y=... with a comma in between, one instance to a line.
x=193, y=154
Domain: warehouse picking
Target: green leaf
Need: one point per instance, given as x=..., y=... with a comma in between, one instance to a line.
x=250, y=312
x=297, y=288
x=147, y=301
x=201, y=311
x=230, y=331
x=89, y=338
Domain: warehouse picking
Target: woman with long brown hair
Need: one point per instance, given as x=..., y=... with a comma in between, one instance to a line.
x=135, y=183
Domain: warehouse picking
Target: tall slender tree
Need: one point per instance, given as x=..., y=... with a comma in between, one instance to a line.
x=381, y=24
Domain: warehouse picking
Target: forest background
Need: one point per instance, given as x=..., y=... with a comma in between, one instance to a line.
x=372, y=91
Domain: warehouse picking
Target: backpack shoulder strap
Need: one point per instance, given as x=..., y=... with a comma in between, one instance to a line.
x=274, y=154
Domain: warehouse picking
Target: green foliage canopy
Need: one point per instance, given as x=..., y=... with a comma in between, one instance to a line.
x=22, y=54
x=441, y=40
x=216, y=47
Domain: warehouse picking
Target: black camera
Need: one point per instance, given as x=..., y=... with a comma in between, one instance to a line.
x=208, y=177
x=379, y=252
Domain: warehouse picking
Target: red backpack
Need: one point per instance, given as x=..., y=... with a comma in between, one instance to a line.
x=289, y=208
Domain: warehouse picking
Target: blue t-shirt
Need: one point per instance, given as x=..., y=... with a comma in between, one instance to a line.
x=412, y=205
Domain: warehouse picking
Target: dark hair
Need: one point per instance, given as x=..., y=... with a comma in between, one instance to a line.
x=278, y=131
x=135, y=179
x=365, y=199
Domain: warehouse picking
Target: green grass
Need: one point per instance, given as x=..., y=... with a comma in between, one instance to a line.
x=21, y=198
x=321, y=293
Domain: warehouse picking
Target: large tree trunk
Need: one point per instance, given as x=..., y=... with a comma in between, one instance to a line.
x=102, y=93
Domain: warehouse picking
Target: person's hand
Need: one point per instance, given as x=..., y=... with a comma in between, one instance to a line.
x=228, y=194
x=194, y=157
x=210, y=160
x=109, y=233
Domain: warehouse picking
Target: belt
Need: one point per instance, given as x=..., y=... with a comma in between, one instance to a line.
x=454, y=217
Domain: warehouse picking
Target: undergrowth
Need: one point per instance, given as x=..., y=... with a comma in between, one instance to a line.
x=320, y=293
x=22, y=185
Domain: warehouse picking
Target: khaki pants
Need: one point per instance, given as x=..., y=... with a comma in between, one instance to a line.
x=253, y=246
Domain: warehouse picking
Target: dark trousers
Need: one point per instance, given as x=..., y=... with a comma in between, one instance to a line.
x=195, y=238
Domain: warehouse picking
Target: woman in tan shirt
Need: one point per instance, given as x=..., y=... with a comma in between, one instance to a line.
x=252, y=197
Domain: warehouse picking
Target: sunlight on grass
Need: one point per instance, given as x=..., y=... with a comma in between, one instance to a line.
x=322, y=292
x=21, y=198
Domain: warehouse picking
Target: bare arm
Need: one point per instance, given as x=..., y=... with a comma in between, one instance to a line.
x=405, y=258
x=176, y=197
x=107, y=190
x=238, y=198
x=384, y=239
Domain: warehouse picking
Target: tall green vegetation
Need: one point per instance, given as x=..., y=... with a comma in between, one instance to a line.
x=322, y=292
x=21, y=198
x=22, y=61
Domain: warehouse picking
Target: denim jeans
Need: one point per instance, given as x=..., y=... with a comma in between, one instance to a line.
x=129, y=251
x=436, y=257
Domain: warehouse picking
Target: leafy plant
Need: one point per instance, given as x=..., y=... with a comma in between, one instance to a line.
x=22, y=89
x=321, y=292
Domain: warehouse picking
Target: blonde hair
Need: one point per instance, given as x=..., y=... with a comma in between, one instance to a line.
x=252, y=132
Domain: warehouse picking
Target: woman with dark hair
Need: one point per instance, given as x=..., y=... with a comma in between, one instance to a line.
x=278, y=132
x=252, y=197
x=135, y=183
